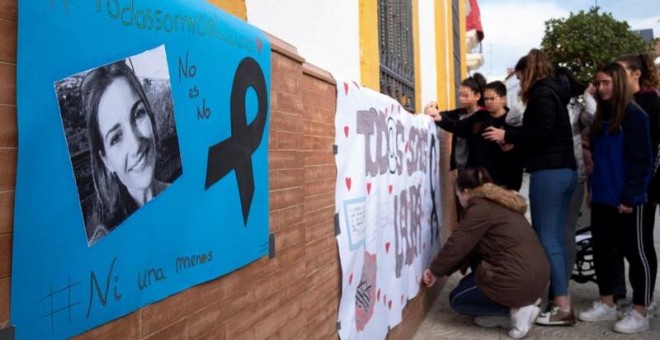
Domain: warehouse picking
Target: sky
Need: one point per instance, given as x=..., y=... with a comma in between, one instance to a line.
x=513, y=27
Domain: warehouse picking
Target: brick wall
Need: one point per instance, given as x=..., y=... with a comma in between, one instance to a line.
x=294, y=295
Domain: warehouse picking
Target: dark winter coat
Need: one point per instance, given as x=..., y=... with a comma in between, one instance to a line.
x=504, y=167
x=649, y=100
x=514, y=269
x=545, y=138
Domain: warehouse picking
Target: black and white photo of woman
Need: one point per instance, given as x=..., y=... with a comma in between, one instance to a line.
x=122, y=147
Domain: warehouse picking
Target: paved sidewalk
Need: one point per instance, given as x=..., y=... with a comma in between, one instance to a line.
x=442, y=322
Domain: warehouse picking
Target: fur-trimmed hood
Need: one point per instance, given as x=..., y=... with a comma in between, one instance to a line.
x=507, y=198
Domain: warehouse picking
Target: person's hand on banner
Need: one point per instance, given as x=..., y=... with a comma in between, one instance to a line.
x=428, y=278
x=431, y=109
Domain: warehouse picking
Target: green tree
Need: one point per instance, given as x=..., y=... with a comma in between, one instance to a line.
x=584, y=41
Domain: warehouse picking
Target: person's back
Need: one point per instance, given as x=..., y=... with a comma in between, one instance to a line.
x=514, y=266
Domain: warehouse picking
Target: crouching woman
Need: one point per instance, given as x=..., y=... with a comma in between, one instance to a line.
x=510, y=270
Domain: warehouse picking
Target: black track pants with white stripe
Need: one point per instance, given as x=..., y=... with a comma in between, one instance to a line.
x=628, y=234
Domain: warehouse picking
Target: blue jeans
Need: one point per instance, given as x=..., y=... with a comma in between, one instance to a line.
x=550, y=193
x=468, y=299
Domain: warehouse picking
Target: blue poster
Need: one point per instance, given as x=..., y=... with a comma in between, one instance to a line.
x=143, y=158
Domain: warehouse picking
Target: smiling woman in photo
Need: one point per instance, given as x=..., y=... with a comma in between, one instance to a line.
x=122, y=137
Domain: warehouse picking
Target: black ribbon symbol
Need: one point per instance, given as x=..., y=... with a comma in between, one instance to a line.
x=236, y=151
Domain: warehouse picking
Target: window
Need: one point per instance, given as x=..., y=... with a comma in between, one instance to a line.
x=397, y=62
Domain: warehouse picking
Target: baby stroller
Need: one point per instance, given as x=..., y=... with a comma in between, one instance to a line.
x=583, y=268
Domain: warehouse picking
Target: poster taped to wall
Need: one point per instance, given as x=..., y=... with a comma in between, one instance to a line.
x=143, y=159
x=388, y=207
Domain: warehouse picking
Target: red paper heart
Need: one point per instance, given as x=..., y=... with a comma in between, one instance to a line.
x=378, y=295
x=348, y=183
x=390, y=188
x=346, y=89
x=368, y=188
x=346, y=131
x=389, y=304
x=387, y=247
x=350, y=279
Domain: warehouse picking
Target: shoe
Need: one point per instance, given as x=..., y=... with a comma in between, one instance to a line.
x=632, y=322
x=493, y=321
x=522, y=320
x=652, y=309
x=556, y=317
x=598, y=312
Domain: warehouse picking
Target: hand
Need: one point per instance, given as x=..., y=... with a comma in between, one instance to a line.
x=506, y=147
x=624, y=209
x=431, y=109
x=591, y=89
x=494, y=134
x=428, y=278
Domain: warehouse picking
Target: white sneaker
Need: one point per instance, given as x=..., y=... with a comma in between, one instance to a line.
x=652, y=309
x=632, y=322
x=522, y=320
x=493, y=321
x=598, y=312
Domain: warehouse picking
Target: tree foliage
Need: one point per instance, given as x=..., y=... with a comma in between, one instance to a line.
x=584, y=41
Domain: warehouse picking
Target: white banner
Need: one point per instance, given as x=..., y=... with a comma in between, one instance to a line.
x=388, y=207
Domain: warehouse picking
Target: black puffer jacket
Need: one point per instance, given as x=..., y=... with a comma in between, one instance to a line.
x=545, y=138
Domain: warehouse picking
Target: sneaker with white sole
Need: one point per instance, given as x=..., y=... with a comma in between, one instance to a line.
x=598, y=312
x=652, y=309
x=522, y=320
x=632, y=322
x=556, y=317
x=493, y=321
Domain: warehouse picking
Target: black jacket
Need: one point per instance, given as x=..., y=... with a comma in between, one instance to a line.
x=649, y=100
x=545, y=138
x=504, y=167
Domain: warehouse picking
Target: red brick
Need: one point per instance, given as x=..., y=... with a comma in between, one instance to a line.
x=7, y=84
x=283, y=198
x=8, y=40
x=272, y=283
x=5, y=255
x=175, y=331
x=4, y=300
x=241, y=324
x=290, y=236
x=320, y=186
x=286, y=121
x=218, y=332
x=9, y=9
x=320, y=172
x=319, y=158
x=273, y=322
x=288, y=256
x=7, y=168
x=316, y=202
x=8, y=126
x=286, y=178
x=321, y=216
x=289, y=140
x=6, y=212
x=128, y=327
x=286, y=216
x=285, y=159
x=320, y=143
x=204, y=320
x=178, y=306
x=319, y=129
x=320, y=231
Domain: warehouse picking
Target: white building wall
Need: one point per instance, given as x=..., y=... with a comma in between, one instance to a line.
x=325, y=32
x=428, y=55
